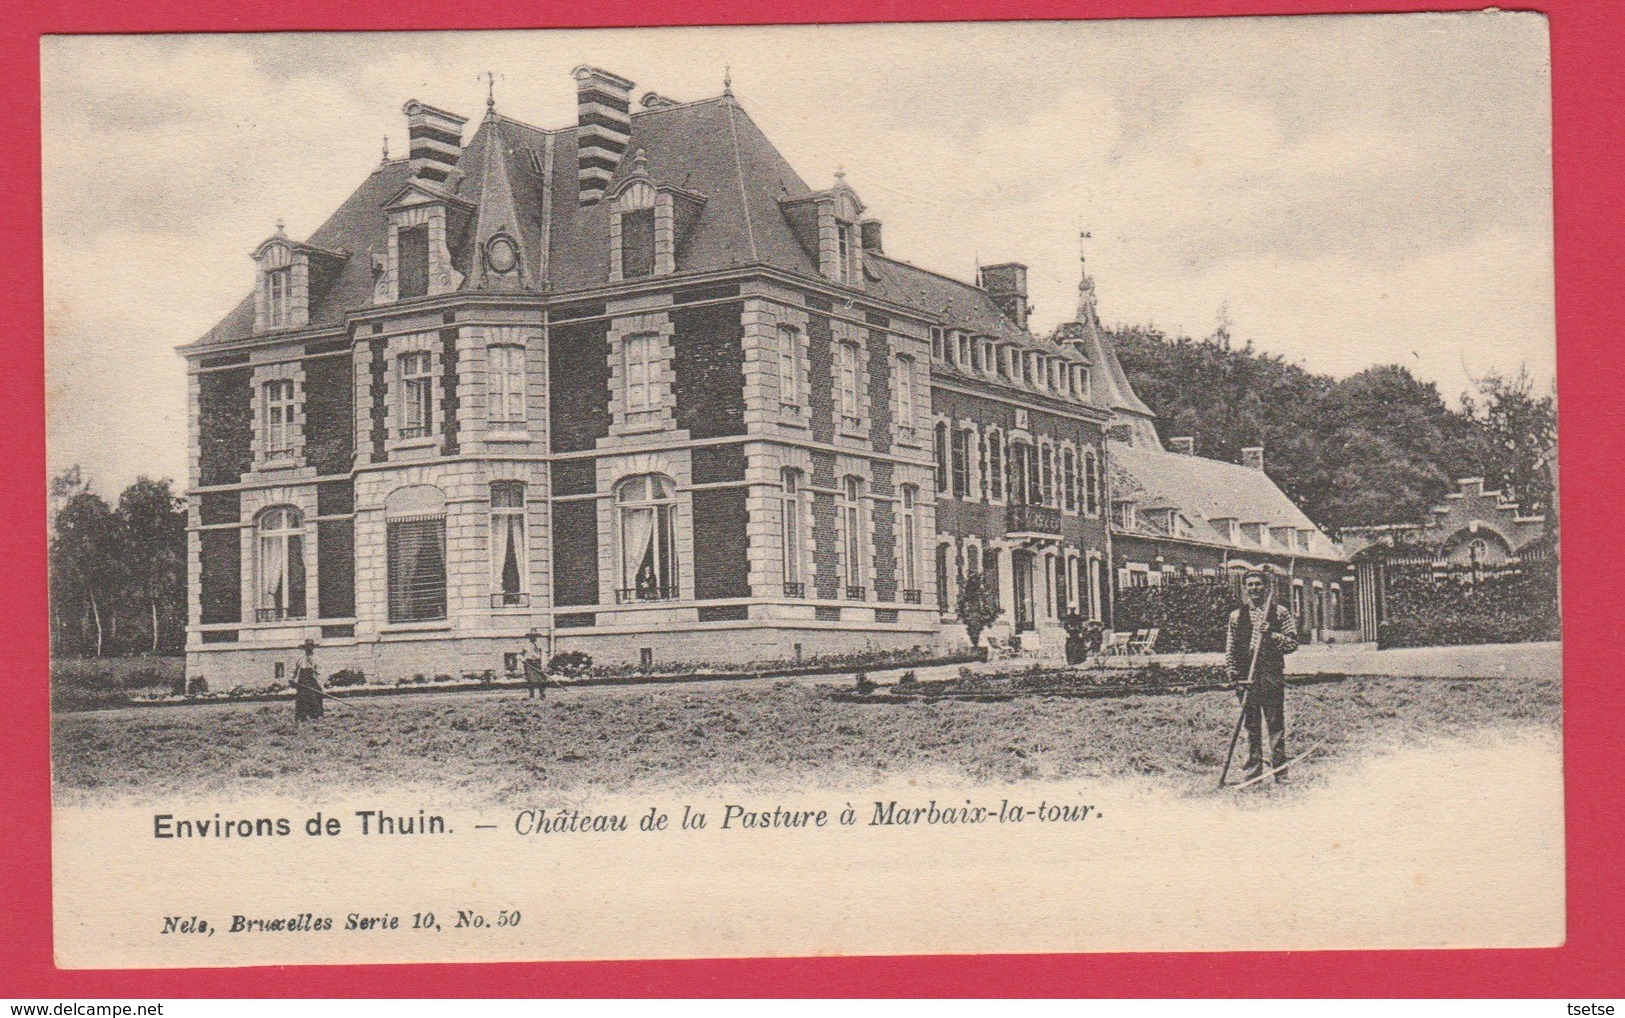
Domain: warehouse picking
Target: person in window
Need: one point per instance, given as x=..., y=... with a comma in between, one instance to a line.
x=534, y=662
x=1260, y=635
x=307, y=687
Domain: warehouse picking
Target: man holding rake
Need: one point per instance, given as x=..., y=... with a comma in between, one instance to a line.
x=1259, y=636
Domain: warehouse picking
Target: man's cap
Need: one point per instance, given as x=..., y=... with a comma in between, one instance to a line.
x=310, y=644
x=534, y=634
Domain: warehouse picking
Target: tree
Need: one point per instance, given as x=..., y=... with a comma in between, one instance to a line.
x=977, y=607
x=85, y=567
x=153, y=537
x=1519, y=431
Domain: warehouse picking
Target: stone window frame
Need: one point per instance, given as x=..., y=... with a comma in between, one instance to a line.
x=997, y=466
x=284, y=536
x=433, y=213
x=292, y=454
x=907, y=399
x=657, y=414
x=790, y=359
x=942, y=455
x=499, y=418
x=794, y=558
x=502, y=599
x=1068, y=481
x=908, y=539
x=849, y=516
x=848, y=342
x=1092, y=501
x=1047, y=489
x=636, y=195
x=415, y=371
x=671, y=503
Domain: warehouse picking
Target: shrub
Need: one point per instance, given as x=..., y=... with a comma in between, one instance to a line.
x=864, y=684
x=570, y=663
x=347, y=677
x=443, y=677
x=977, y=606
x=908, y=678
x=197, y=686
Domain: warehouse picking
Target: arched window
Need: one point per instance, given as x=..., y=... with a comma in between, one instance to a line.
x=790, y=529
x=995, y=465
x=508, y=553
x=1021, y=470
x=909, y=525
x=647, y=506
x=851, y=518
x=1069, y=480
x=415, y=519
x=505, y=388
x=961, y=463
x=789, y=368
x=973, y=560
x=1091, y=483
x=281, y=565
x=942, y=579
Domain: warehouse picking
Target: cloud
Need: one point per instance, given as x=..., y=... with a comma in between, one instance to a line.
x=1358, y=189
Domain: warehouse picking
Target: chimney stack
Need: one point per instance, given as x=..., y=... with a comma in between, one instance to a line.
x=1007, y=285
x=1184, y=445
x=1252, y=457
x=604, y=116
x=436, y=140
x=870, y=236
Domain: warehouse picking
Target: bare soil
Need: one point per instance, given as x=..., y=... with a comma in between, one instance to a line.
x=499, y=747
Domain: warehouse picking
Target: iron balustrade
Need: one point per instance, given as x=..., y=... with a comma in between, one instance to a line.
x=1022, y=518
x=630, y=595
x=795, y=590
x=911, y=597
x=855, y=594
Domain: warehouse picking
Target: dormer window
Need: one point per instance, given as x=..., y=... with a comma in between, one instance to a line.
x=846, y=268
x=937, y=351
x=638, y=243
x=963, y=342
x=278, y=290
x=413, y=267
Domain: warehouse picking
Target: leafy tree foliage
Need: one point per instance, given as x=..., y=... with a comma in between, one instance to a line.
x=977, y=606
x=118, y=574
x=1380, y=446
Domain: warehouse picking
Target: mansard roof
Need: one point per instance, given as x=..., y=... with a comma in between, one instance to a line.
x=524, y=179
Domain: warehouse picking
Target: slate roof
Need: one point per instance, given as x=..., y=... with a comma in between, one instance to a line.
x=1205, y=490
x=711, y=148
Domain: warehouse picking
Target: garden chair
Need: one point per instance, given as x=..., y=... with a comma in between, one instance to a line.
x=1118, y=644
x=1145, y=642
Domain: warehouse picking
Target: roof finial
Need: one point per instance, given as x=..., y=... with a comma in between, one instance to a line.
x=490, y=92
x=279, y=226
x=386, y=148
x=727, y=81
x=840, y=174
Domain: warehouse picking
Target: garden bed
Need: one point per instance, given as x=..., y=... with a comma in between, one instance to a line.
x=1046, y=681
x=68, y=694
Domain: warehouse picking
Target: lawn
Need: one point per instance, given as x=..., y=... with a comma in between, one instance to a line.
x=497, y=747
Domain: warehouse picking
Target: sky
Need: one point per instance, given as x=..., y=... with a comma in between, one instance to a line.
x=1344, y=191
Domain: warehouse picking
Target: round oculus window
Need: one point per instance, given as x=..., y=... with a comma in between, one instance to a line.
x=500, y=254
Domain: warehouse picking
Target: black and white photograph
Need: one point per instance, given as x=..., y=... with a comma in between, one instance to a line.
x=887, y=489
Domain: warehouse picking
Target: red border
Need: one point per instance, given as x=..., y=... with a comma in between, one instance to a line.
x=1589, y=95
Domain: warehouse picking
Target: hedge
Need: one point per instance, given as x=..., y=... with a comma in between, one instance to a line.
x=1515, y=608
x=1190, y=617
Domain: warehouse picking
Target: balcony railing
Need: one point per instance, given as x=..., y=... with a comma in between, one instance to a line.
x=1033, y=519
x=911, y=597
x=278, y=614
x=631, y=595
x=795, y=589
x=855, y=593
x=510, y=599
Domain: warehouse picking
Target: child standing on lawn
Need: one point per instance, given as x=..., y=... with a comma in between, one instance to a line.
x=534, y=661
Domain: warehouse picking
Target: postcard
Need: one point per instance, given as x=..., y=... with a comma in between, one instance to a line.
x=786, y=491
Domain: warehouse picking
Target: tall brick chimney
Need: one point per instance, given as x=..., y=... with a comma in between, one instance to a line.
x=1252, y=457
x=436, y=139
x=604, y=115
x=1007, y=285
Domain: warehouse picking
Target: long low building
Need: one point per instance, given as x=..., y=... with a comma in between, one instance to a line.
x=633, y=384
